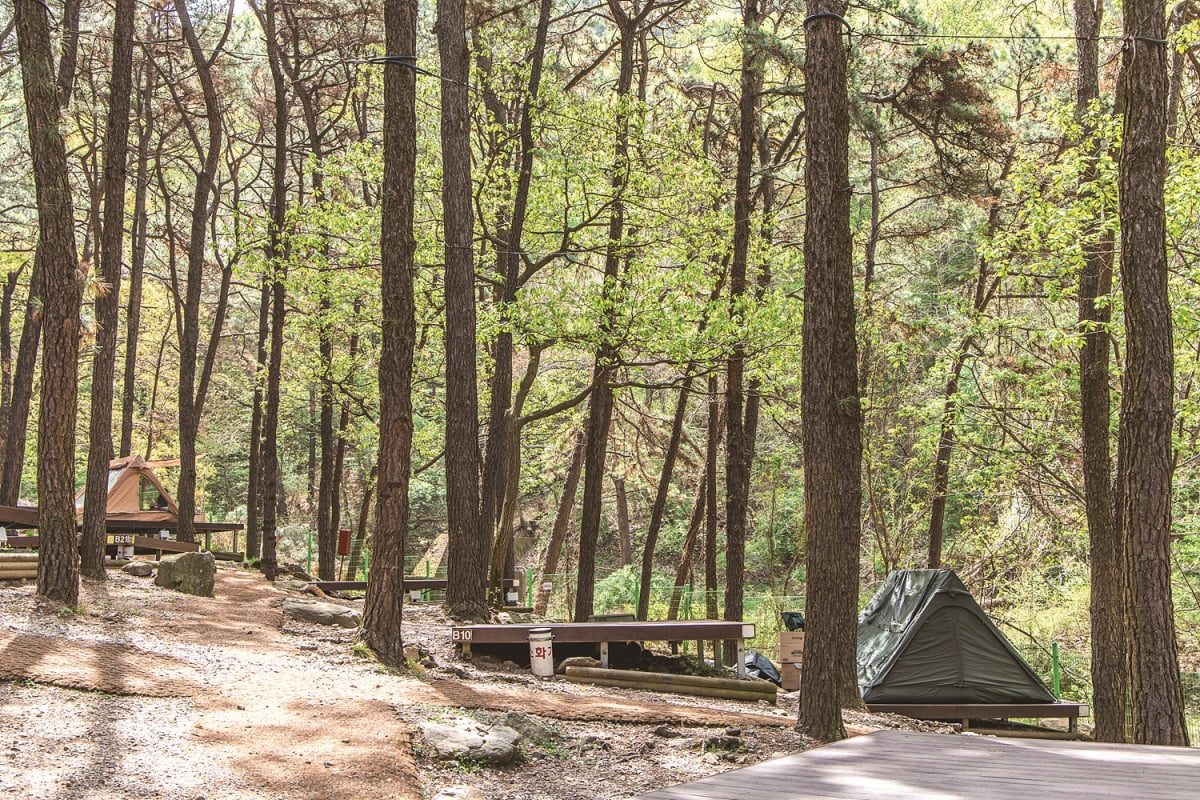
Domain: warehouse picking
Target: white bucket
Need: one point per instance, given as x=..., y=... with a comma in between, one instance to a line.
x=541, y=652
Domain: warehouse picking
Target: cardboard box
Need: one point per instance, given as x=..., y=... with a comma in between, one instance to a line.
x=791, y=647
x=790, y=675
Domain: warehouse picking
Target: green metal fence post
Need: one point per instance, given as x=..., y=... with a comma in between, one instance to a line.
x=1054, y=669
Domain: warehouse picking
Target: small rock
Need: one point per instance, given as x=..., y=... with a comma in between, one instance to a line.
x=322, y=613
x=531, y=728
x=733, y=731
x=461, y=792
x=726, y=743
x=666, y=733
x=140, y=569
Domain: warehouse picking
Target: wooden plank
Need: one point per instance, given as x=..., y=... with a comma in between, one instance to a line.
x=596, y=632
x=895, y=765
x=164, y=545
x=981, y=710
x=410, y=585
x=752, y=690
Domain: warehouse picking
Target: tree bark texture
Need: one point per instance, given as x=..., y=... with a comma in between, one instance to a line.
x=385, y=588
x=466, y=589
x=1095, y=282
x=832, y=424
x=58, y=567
x=1147, y=400
x=104, y=359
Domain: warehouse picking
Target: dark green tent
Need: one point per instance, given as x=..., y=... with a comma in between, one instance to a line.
x=924, y=639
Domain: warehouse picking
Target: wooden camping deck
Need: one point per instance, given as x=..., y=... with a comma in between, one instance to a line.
x=969, y=711
x=895, y=765
x=602, y=633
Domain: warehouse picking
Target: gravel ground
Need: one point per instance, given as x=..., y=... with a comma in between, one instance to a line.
x=268, y=708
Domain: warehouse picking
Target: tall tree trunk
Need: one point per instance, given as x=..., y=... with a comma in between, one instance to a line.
x=277, y=268
x=600, y=408
x=624, y=532
x=711, y=452
x=562, y=522
x=359, y=541
x=496, y=453
x=986, y=284
x=1095, y=282
x=22, y=391
x=326, y=533
x=381, y=629
x=254, y=488
x=687, y=555
x=466, y=590
x=660, y=496
x=191, y=393
x=58, y=568
x=104, y=360
x=737, y=446
x=832, y=418
x=6, y=364
x=1147, y=400
x=140, y=240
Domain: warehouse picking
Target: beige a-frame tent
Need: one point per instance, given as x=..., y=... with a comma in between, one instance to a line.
x=135, y=494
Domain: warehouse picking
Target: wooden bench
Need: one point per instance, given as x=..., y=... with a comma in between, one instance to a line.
x=602, y=633
x=969, y=711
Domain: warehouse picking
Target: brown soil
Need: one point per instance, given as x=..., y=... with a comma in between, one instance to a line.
x=151, y=693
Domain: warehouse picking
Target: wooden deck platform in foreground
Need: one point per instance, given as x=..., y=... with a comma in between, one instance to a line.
x=697, y=630
x=893, y=765
x=969, y=711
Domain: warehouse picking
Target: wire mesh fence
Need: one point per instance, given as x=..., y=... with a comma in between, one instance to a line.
x=1068, y=673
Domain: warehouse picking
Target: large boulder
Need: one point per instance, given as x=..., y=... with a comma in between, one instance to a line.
x=190, y=573
x=467, y=739
x=322, y=613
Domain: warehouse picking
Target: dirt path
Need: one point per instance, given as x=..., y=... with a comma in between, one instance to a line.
x=287, y=716
x=226, y=699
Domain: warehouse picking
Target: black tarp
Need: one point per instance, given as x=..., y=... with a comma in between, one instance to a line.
x=924, y=639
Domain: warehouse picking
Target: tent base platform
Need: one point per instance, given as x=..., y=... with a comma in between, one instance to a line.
x=969, y=711
x=898, y=765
